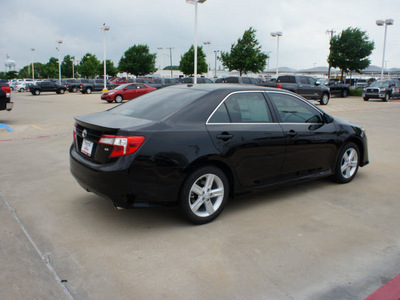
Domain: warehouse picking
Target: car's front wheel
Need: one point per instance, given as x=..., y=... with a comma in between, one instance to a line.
x=387, y=98
x=348, y=163
x=118, y=99
x=204, y=194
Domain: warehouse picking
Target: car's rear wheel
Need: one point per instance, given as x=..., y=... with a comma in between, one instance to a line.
x=366, y=98
x=62, y=91
x=74, y=89
x=344, y=93
x=37, y=92
x=88, y=91
x=348, y=163
x=22, y=90
x=118, y=99
x=324, y=99
x=204, y=194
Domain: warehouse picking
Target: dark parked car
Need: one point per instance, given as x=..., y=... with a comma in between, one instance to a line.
x=199, y=80
x=126, y=91
x=196, y=146
x=240, y=80
x=5, y=96
x=382, y=89
x=336, y=88
x=47, y=86
x=306, y=86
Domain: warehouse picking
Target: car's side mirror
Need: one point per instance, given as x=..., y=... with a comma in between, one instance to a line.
x=328, y=118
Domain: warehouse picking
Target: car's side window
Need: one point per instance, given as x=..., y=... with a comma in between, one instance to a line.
x=243, y=108
x=293, y=110
x=311, y=80
x=303, y=80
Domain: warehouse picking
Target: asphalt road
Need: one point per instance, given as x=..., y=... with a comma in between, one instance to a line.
x=317, y=240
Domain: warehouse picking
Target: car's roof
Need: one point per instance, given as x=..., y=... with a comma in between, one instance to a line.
x=229, y=87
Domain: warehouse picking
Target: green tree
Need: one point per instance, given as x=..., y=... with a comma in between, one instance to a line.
x=51, y=68
x=10, y=75
x=186, y=64
x=89, y=66
x=246, y=55
x=138, y=60
x=26, y=72
x=349, y=50
x=110, y=68
x=66, y=67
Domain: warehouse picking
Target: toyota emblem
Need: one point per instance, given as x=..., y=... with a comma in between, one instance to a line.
x=84, y=133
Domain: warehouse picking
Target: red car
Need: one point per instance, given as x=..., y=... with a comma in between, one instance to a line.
x=126, y=92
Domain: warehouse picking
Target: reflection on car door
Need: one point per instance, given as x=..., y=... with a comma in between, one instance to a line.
x=311, y=142
x=243, y=130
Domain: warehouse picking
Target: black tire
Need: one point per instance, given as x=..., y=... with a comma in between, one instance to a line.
x=366, y=99
x=22, y=90
x=345, y=93
x=37, y=92
x=387, y=98
x=88, y=91
x=62, y=91
x=118, y=99
x=324, y=99
x=200, y=203
x=348, y=163
x=74, y=89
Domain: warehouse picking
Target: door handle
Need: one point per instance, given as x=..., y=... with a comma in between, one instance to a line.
x=224, y=136
x=291, y=133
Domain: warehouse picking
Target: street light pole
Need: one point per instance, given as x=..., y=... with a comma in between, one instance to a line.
x=59, y=42
x=105, y=28
x=160, y=59
x=195, y=2
x=215, y=70
x=277, y=35
x=207, y=43
x=386, y=23
x=73, y=64
x=170, y=58
x=33, y=68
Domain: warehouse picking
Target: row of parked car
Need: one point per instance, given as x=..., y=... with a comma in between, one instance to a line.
x=319, y=89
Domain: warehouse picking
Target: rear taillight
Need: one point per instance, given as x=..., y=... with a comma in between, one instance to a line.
x=7, y=90
x=81, y=85
x=122, y=145
x=74, y=133
x=279, y=86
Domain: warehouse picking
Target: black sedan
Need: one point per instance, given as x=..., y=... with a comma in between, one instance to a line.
x=198, y=145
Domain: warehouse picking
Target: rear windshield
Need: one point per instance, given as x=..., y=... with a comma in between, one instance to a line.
x=158, y=104
x=287, y=79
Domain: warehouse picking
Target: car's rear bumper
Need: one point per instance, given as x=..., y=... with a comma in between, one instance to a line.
x=124, y=185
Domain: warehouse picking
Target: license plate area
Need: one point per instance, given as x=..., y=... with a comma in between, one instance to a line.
x=87, y=147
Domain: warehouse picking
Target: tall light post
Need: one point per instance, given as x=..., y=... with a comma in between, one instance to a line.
x=105, y=28
x=207, y=43
x=277, y=35
x=160, y=59
x=33, y=68
x=216, y=56
x=386, y=23
x=59, y=42
x=170, y=58
x=195, y=35
x=73, y=65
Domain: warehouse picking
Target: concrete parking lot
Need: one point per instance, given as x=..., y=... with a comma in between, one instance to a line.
x=317, y=240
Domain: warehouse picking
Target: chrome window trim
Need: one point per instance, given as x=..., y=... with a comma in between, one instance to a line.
x=238, y=92
x=264, y=92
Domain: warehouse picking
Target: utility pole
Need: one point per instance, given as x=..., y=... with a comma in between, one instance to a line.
x=331, y=32
x=170, y=58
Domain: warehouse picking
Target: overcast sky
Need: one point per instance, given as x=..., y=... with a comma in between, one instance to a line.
x=170, y=23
